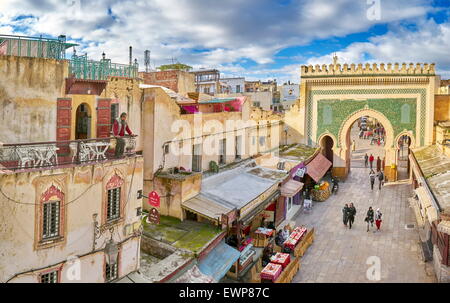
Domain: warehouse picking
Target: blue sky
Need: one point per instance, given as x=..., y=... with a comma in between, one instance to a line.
x=258, y=39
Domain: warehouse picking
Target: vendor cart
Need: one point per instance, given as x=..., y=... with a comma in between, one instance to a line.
x=321, y=192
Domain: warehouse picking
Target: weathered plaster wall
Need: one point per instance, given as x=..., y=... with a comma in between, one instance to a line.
x=29, y=88
x=84, y=191
x=442, y=108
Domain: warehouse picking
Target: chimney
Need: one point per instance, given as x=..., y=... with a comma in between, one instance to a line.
x=131, y=55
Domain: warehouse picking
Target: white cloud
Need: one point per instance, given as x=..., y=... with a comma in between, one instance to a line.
x=198, y=32
x=429, y=44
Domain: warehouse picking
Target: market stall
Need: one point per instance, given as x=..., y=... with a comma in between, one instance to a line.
x=281, y=272
x=316, y=169
x=262, y=236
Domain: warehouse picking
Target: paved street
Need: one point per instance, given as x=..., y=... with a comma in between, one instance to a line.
x=339, y=254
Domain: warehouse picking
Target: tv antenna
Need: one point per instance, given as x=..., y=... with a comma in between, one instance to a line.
x=147, y=60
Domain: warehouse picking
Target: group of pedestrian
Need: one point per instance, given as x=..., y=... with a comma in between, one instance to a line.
x=372, y=175
x=349, y=214
x=379, y=176
x=371, y=217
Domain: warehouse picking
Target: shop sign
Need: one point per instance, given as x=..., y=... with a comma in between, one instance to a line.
x=300, y=172
x=154, y=199
x=153, y=216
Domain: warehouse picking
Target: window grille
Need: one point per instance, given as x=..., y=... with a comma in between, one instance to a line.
x=111, y=272
x=51, y=219
x=51, y=277
x=113, y=207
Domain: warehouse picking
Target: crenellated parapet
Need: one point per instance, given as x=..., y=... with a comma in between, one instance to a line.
x=368, y=69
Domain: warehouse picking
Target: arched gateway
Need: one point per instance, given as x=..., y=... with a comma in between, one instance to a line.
x=333, y=97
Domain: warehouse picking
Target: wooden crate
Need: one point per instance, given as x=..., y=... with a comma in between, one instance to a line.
x=301, y=247
x=289, y=272
x=259, y=240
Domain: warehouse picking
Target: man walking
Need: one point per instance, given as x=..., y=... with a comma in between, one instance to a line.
x=371, y=158
x=378, y=220
x=345, y=214
x=351, y=215
x=119, y=128
x=372, y=178
x=380, y=179
x=366, y=160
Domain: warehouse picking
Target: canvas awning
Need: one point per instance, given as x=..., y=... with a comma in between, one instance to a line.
x=318, y=167
x=291, y=188
x=205, y=207
x=219, y=261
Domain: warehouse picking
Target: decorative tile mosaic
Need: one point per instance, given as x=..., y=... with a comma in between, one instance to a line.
x=333, y=113
x=421, y=91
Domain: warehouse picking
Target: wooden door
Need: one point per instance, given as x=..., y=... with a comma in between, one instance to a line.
x=103, y=118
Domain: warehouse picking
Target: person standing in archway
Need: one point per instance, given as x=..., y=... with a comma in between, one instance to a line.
x=353, y=145
x=371, y=158
x=378, y=163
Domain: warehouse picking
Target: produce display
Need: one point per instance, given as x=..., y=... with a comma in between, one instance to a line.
x=271, y=272
x=295, y=237
x=281, y=258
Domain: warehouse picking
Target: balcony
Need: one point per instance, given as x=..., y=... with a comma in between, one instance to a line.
x=38, y=47
x=58, y=154
x=82, y=68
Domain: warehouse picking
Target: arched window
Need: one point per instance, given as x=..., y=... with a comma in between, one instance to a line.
x=51, y=210
x=327, y=115
x=405, y=114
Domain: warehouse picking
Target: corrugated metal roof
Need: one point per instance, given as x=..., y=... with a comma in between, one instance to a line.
x=206, y=207
x=217, y=263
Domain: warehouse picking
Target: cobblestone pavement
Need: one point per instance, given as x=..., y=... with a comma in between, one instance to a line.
x=339, y=254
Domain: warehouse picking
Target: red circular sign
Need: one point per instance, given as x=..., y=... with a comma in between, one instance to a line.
x=153, y=199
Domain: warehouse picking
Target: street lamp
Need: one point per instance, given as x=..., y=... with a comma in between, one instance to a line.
x=112, y=252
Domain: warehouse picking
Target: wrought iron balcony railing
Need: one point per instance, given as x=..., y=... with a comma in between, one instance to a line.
x=82, y=68
x=60, y=153
x=39, y=47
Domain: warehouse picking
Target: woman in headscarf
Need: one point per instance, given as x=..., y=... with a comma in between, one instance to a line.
x=378, y=220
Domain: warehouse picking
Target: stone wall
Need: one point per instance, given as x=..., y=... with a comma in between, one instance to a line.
x=29, y=88
x=179, y=81
x=156, y=248
x=442, y=271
